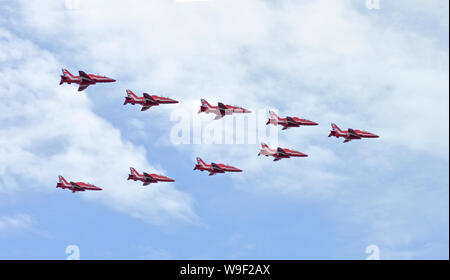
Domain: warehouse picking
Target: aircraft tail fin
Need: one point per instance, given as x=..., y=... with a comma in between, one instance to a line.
x=62, y=180
x=134, y=172
x=205, y=103
x=273, y=118
x=201, y=162
x=273, y=115
x=264, y=145
x=131, y=94
x=66, y=77
x=335, y=127
x=66, y=73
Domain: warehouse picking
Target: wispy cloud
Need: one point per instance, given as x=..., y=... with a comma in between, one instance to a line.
x=16, y=224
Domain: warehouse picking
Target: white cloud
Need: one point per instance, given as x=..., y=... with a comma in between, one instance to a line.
x=49, y=131
x=324, y=60
x=366, y=75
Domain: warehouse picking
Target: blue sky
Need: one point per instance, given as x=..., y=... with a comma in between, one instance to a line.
x=384, y=71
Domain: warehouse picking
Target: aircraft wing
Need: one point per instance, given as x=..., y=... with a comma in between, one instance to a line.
x=281, y=152
x=353, y=134
x=290, y=121
x=76, y=186
x=216, y=167
x=212, y=173
x=84, y=77
x=149, y=179
x=149, y=100
x=219, y=116
x=222, y=108
x=82, y=87
x=145, y=108
x=277, y=159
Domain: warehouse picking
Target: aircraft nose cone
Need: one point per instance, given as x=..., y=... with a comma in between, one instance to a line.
x=300, y=154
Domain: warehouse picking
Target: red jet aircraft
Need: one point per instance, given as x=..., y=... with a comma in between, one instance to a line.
x=214, y=168
x=76, y=186
x=84, y=80
x=221, y=109
x=288, y=121
x=147, y=100
x=350, y=134
x=147, y=178
x=279, y=153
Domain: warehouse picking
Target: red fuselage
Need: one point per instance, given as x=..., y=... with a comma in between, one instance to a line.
x=350, y=134
x=147, y=178
x=84, y=80
x=214, y=168
x=76, y=186
x=93, y=80
x=147, y=100
x=279, y=153
x=221, y=110
x=289, y=121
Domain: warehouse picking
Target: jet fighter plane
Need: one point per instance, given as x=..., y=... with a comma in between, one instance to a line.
x=147, y=178
x=279, y=153
x=84, y=80
x=350, y=134
x=147, y=101
x=288, y=121
x=221, y=110
x=214, y=168
x=76, y=186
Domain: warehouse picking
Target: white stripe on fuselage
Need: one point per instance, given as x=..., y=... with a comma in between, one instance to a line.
x=135, y=98
x=269, y=150
x=135, y=173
